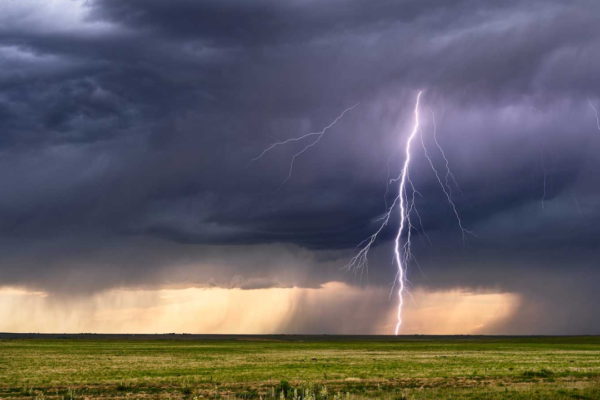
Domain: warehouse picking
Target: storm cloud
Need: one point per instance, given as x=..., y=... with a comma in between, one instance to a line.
x=128, y=130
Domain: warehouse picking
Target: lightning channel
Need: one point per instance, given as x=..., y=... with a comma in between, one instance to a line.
x=318, y=136
x=449, y=173
x=595, y=112
x=578, y=207
x=402, y=253
x=446, y=189
x=403, y=217
x=545, y=171
x=406, y=202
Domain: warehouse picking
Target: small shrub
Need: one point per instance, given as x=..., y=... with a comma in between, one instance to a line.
x=249, y=394
x=70, y=395
x=186, y=390
x=398, y=395
x=543, y=373
x=284, y=388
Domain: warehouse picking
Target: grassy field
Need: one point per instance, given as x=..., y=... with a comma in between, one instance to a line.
x=301, y=368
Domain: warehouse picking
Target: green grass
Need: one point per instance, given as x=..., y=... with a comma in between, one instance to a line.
x=412, y=368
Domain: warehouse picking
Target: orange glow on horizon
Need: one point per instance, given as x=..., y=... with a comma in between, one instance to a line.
x=333, y=308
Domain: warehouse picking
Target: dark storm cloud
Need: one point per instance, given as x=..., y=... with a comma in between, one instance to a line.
x=127, y=129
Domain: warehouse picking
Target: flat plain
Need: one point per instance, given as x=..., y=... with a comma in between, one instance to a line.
x=298, y=367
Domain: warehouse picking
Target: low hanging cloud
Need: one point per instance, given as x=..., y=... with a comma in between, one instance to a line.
x=333, y=308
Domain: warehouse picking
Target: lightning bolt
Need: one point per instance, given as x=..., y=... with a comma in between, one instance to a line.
x=407, y=206
x=318, y=135
x=595, y=112
x=402, y=254
x=446, y=188
x=578, y=207
x=545, y=171
x=405, y=200
x=449, y=173
x=404, y=216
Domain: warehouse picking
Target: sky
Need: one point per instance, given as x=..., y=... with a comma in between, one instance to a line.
x=129, y=201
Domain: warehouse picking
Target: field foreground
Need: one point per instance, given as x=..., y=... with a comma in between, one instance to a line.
x=298, y=367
